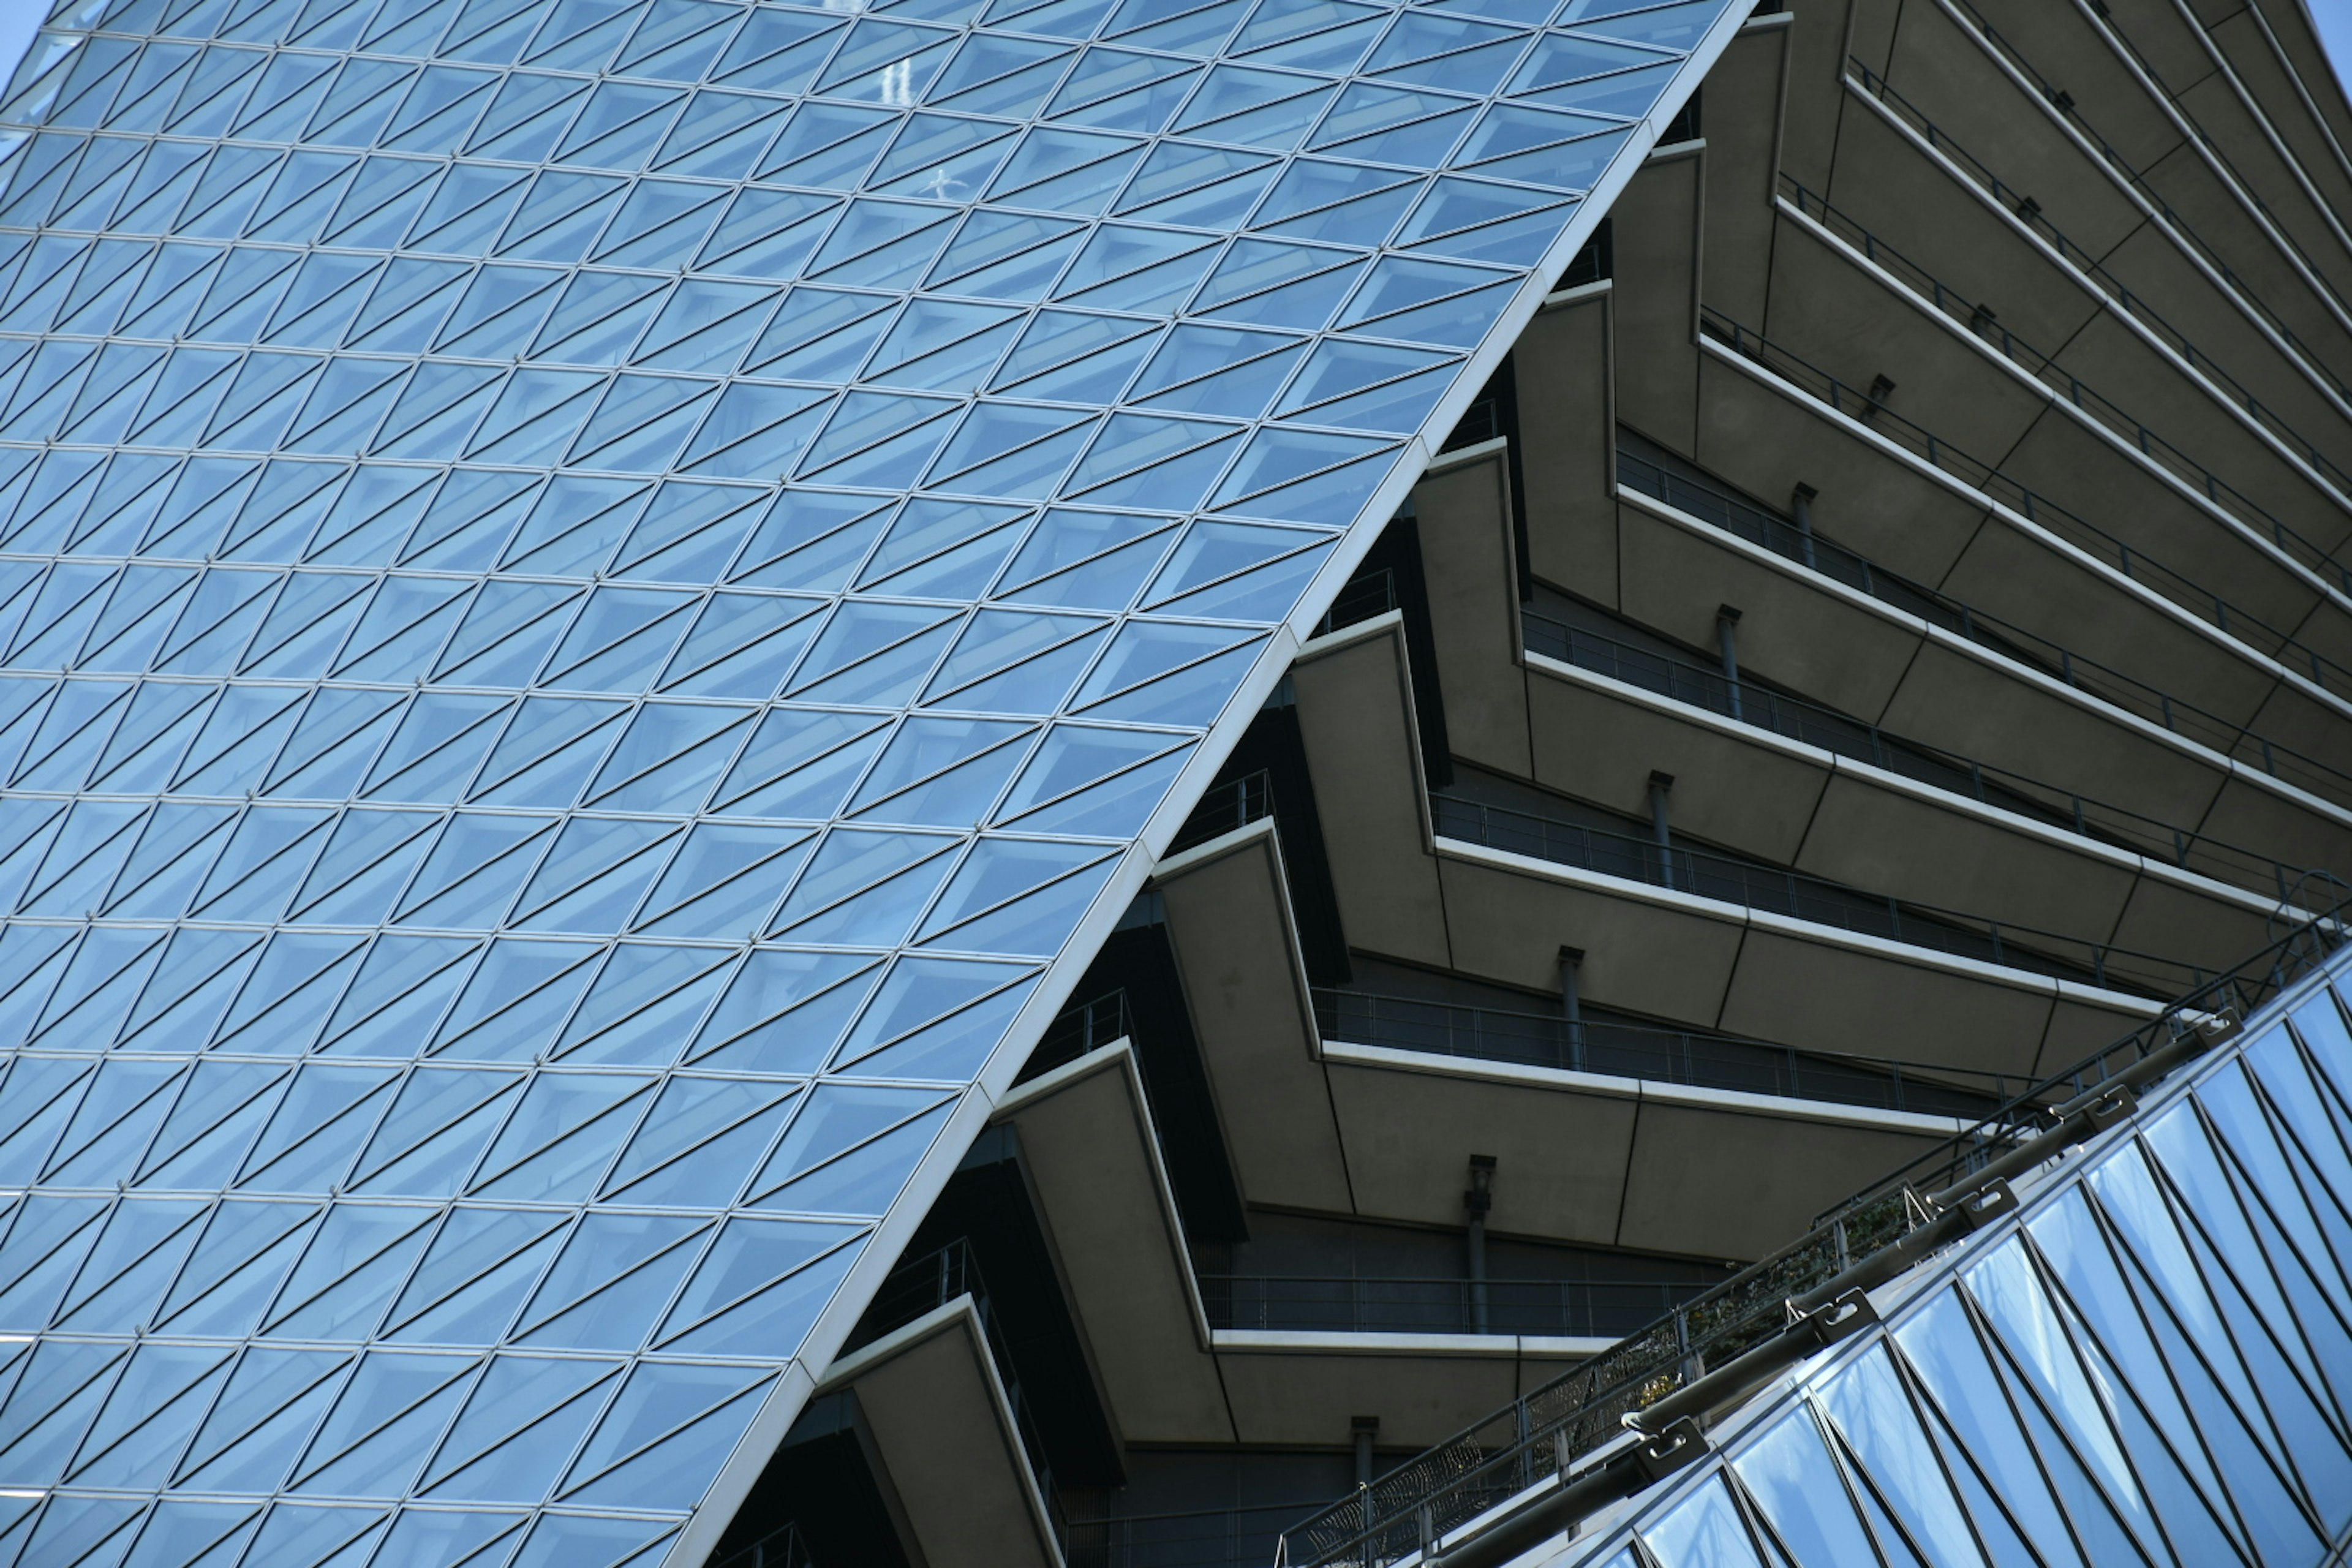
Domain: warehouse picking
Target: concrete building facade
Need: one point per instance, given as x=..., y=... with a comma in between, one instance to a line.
x=1135, y=783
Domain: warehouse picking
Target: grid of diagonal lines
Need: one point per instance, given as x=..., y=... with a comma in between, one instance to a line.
x=591, y=591
x=2149, y=1369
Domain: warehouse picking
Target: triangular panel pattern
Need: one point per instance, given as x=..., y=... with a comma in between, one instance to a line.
x=594, y=600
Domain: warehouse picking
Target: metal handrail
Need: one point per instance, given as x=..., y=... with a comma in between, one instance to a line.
x=1683, y=680
x=1752, y=885
x=1981, y=324
x=1081, y=1027
x=2244, y=187
x=1235, y=803
x=2063, y=103
x=1355, y=1303
x=777, y=1548
x=1361, y=598
x=1207, y=1538
x=2028, y=211
x=1542, y=1433
x=1698, y=1059
x=2109, y=684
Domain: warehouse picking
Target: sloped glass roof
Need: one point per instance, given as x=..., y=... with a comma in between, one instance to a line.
x=600, y=601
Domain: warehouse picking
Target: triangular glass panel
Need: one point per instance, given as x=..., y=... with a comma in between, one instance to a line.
x=1191, y=696
x=1220, y=369
x=1005, y=255
x=864, y=1181
x=611, y=1282
x=127, y=1269
x=1012, y=661
x=1262, y=594
x=1143, y=459
x=1127, y=267
x=527, y=1415
x=723, y=881
x=1075, y=357
x=216, y=1114
x=864, y=888
x=952, y=1049
x=644, y=1004
x=548, y=751
x=588, y=1541
x=560, y=1137
x=800, y=763
x=319, y=1123
x=699, y=1141
x=874, y=653
x=660, y=1404
x=442, y=738
x=594, y=876
x=834, y=1119
x=449, y=1537
x=523, y=990
x=784, y=1011
x=782, y=1314
x=476, y=1248
x=1076, y=759
x=375, y=1439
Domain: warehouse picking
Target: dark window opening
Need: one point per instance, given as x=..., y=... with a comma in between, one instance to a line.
x=821, y=1501
x=1273, y=746
x=983, y=1235
x=1132, y=990
x=1495, y=412
x=1597, y=260
x=1685, y=125
x=1392, y=578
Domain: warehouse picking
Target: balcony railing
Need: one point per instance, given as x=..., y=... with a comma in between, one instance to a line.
x=1217, y=1538
x=2063, y=103
x=1697, y=1058
x=1683, y=680
x=1578, y=1309
x=777, y=1549
x=1708, y=875
x=2182, y=718
x=1548, y=1430
x=1236, y=802
x=2029, y=212
x=1372, y=594
x=1980, y=324
x=1084, y=1027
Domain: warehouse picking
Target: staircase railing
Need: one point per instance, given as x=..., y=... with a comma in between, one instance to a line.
x=1546, y=1431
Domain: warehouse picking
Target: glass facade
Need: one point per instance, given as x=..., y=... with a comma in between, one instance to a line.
x=2150, y=1364
x=599, y=600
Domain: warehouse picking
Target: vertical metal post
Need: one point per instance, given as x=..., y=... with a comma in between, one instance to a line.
x=1571, y=1004
x=1801, y=507
x=1726, y=637
x=1476, y=1202
x=1364, y=1428
x=1661, y=785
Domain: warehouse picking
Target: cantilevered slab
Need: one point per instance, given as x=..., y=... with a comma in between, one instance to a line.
x=1605, y=1159
x=944, y=1428
x=1363, y=753
x=1086, y=1141
x=1238, y=952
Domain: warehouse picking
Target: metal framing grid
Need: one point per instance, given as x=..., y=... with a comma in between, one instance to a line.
x=600, y=603
x=2150, y=1363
